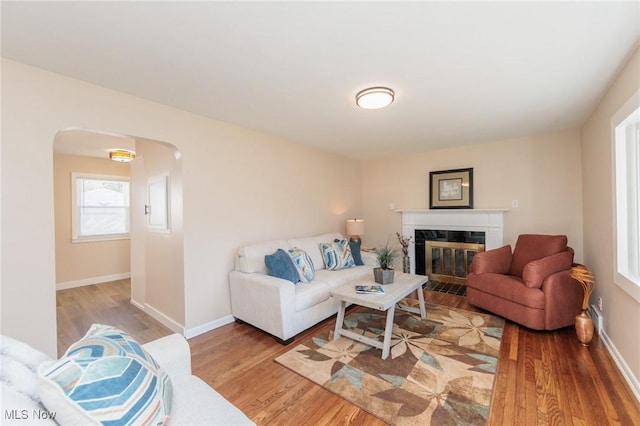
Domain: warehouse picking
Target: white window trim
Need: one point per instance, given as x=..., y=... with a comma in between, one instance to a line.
x=622, y=281
x=75, y=217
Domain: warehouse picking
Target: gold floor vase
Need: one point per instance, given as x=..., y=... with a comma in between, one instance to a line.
x=584, y=328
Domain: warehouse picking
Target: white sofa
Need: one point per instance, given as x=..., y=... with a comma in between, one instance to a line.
x=193, y=403
x=280, y=307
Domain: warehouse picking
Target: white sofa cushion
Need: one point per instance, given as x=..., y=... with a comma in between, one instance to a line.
x=335, y=279
x=310, y=294
x=250, y=259
x=20, y=393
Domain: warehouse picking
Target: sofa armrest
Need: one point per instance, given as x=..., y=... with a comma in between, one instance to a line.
x=264, y=301
x=495, y=261
x=536, y=271
x=172, y=353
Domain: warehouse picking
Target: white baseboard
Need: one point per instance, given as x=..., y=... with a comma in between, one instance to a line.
x=91, y=281
x=161, y=317
x=201, y=329
x=178, y=328
x=632, y=380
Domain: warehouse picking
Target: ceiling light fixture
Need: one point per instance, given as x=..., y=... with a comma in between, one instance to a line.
x=122, y=155
x=375, y=97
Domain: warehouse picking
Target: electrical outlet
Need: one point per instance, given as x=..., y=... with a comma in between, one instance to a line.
x=600, y=303
x=514, y=204
x=392, y=206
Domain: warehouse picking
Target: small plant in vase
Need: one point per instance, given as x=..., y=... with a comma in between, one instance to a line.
x=404, y=242
x=384, y=273
x=584, y=324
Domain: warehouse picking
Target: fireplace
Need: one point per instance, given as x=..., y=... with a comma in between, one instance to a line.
x=481, y=227
x=445, y=255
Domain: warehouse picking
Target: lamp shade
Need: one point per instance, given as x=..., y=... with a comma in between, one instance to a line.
x=355, y=227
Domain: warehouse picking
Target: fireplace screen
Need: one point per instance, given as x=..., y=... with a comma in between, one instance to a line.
x=449, y=261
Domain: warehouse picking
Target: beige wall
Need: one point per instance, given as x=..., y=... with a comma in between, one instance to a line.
x=86, y=262
x=240, y=187
x=620, y=311
x=158, y=276
x=542, y=172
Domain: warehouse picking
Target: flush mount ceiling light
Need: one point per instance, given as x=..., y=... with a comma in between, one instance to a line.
x=122, y=155
x=374, y=97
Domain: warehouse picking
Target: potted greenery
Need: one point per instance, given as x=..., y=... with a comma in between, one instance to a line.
x=384, y=273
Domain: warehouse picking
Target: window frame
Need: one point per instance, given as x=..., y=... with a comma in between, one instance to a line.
x=75, y=209
x=629, y=113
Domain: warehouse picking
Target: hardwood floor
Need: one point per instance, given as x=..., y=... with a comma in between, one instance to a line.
x=543, y=378
x=106, y=303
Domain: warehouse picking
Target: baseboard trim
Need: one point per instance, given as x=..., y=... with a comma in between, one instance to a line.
x=91, y=281
x=178, y=328
x=168, y=322
x=201, y=329
x=632, y=380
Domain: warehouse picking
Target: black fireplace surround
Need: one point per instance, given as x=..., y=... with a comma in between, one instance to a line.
x=422, y=235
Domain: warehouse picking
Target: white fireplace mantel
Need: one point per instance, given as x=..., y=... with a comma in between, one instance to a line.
x=489, y=221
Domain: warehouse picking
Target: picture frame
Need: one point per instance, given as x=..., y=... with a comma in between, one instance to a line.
x=451, y=189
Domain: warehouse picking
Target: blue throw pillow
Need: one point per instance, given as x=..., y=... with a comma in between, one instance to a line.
x=355, y=252
x=280, y=265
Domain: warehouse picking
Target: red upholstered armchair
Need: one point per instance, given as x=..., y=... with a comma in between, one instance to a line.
x=531, y=286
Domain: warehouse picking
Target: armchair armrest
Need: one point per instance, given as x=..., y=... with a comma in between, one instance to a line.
x=496, y=261
x=536, y=271
x=562, y=299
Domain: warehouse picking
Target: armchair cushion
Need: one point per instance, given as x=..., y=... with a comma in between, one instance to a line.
x=496, y=261
x=536, y=271
x=531, y=247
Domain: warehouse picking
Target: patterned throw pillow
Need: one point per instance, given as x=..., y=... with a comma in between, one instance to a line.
x=106, y=378
x=337, y=255
x=303, y=263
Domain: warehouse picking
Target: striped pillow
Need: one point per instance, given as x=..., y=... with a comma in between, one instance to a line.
x=106, y=378
x=303, y=263
x=337, y=255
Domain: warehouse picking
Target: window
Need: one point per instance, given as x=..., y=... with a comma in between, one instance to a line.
x=100, y=207
x=627, y=196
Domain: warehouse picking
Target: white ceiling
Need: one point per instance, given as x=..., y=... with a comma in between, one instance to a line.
x=463, y=72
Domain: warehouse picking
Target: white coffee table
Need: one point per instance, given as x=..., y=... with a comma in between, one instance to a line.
x=403, y=285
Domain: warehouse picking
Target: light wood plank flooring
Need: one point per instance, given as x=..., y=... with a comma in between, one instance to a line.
x=543, y=378
x=106, y=303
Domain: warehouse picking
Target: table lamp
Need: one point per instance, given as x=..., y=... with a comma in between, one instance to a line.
x=355, y=228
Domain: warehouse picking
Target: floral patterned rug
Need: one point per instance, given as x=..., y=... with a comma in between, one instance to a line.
x=440, y=371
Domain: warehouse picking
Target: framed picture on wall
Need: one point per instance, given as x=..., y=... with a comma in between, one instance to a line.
x=451, y=189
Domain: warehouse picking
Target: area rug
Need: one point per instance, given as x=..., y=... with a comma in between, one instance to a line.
x=440, y=371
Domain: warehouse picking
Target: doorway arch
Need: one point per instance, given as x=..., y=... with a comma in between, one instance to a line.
x=156, y=272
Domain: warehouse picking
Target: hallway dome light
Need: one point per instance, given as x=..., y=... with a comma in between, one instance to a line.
x=122, y=155
x=375, y=97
